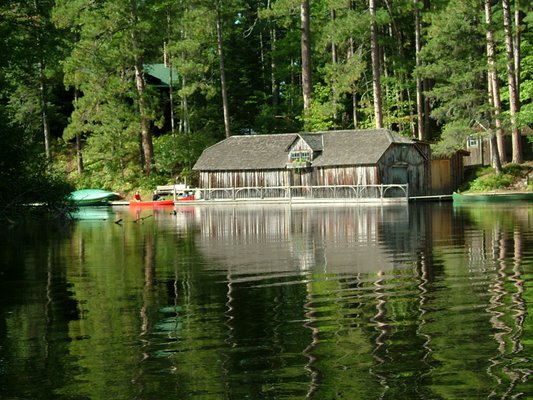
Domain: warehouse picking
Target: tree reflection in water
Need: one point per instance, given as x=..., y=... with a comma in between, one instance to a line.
x=418, y=301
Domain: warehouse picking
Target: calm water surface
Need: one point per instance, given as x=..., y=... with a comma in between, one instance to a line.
x=425, y=301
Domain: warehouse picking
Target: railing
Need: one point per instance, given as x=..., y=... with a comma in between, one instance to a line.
x=289, y=193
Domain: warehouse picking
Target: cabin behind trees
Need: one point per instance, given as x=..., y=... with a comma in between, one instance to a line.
x=342, y=159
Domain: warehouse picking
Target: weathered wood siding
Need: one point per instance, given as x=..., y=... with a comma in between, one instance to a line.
x=400, y=164
x=447, y=174
x=302, y=177
x=351, y=175
x=405, y=164
x=299, y=145
x=228, y=179
x=441, y=179
x=479, y=149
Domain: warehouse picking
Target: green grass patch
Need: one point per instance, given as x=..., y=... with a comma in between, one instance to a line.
x=485, y=179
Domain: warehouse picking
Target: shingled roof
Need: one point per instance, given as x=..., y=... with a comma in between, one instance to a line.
x=359, y=147
x=346, y=147
x=247, y=152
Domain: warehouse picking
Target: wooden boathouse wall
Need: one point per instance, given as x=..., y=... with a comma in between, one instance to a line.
x=246, y=178
x=405, y=164
x=367, y=157
x=350, y=175
x=447, y=173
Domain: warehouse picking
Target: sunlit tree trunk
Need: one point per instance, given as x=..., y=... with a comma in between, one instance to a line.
x=496, y=161
x=223, y=88
x=44, y=111
x=511, y=78
x=419, y=86
x=518, y=17
x=42, y=85
x=494, y=90
x=273, y=81
x=376, y=69
x=306, y=55
x=168, y=64
x=334, y=60
x=146, y=134
x=79, y=152
x=184, y=119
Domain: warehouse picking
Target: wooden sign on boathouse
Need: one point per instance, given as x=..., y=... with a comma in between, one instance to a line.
x=344, y=157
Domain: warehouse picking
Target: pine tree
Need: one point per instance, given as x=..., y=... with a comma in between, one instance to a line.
x=458, y=69
x=514, y=100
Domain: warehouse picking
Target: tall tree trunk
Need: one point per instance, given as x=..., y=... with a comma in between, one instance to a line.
x=79, y=152
x=511, y=78
x=518, y=18
x=419, y=86
x=494, y=86
x=496, y=161
x=220, y=43
x=42, y=83
x=44, y=111
x=168, y=63
x=184, y=126
x=334, y=56
x=351, y=53
x=171, y=100
x=306, y=55
x=376, y=70
x=427, y=84
x=334, y=60
x=273, y=81
x=146, y=134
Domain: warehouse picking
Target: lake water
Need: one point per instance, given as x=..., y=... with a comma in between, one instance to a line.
x=424, y=301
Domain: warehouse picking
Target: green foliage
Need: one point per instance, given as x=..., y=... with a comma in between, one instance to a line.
x=456, y=64
x=486, y=179
x=30, y=76
x=26, y=177
x=525, y=116
x=91, y=52
x=176, y=154
x=323, y=110
x=453, y=138
x=491, y=182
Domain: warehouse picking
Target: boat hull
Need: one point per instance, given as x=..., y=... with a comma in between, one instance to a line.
x=186, y=198
x=492, y=197
x=158, y=203
x=92, y=197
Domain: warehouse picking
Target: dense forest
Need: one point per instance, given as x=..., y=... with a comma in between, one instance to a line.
x=79, y=107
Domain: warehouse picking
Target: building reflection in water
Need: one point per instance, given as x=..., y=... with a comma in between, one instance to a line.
x=255, y=243
x=275, y=240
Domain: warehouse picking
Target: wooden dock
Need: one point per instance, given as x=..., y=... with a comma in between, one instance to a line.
x=338, y=194
x=436, y=197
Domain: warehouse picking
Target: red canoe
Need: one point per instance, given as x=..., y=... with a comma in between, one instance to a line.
x=156, y=203
x=187, y=198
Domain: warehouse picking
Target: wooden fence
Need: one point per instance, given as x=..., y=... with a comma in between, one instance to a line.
x=288, y=193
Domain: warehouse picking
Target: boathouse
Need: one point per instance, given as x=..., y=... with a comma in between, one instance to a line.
x=344, y=159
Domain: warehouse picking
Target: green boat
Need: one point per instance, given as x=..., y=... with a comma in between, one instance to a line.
x=92, y=197
x=494, y=197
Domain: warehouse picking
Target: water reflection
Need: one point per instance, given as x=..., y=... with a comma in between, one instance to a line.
x=254, y=241
x=502, y=245
x=421, y=301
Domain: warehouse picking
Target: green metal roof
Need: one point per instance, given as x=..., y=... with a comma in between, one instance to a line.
x=161, y=73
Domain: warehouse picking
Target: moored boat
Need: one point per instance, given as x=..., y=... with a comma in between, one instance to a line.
x=493, y=197
x=155, y=203
x=92, y=197
x=186, y=197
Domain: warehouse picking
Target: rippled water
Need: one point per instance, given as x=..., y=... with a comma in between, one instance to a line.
x=424, y=301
